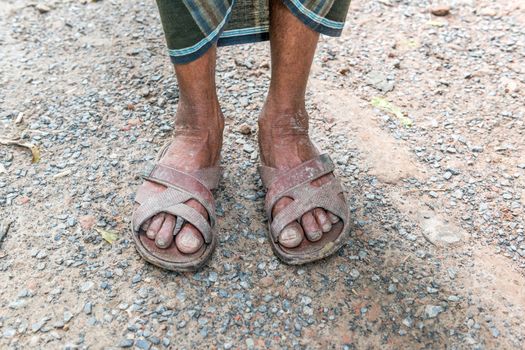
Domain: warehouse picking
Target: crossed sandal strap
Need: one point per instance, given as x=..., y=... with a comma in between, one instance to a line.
x=180, y=187
x=280, y=183
x=308, y=197
x=171, y=201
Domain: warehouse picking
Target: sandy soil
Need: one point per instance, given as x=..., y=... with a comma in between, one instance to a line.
x=437, y=255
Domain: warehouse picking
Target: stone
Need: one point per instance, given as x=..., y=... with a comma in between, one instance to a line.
x=143, y=344
x=42, y=8
x=489, y=12
x=245, y=129
x=84, y=287
x=88, y=307
x=266, y=282
x=432, y=311
x=442, y=10
x=9, y=332
x=213, y=276
x=248, y=148
x=126, y=343
x=354, y=274
x=379, y=81
x=144, y=92
x=136, y=279
x=67, y=316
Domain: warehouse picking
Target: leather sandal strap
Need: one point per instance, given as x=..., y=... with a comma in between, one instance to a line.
x=180, y=187
x=192, y=216
x=156, y=203
x=306, y=198
x=280, y=183
x=210, y=177
x=170, y=177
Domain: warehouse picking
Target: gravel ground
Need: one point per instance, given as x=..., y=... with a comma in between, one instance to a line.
x=436, y=181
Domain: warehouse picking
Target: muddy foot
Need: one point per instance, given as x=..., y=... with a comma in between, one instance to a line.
x=192, y=148
x=284, y=144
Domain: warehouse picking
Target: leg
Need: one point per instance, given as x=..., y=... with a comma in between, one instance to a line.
x=283, y=135
x=197, y=143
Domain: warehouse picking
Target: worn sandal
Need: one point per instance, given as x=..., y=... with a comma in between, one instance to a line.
x=179, y=187
x=296, y=184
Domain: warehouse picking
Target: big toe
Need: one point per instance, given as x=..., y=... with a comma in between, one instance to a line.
x=291, y=236
x=189, y=239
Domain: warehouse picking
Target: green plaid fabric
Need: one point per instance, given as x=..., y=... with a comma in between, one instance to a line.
x=192, y=26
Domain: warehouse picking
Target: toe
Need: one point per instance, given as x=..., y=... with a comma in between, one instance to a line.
x=322, y=220
x=333, y=218
x=145, y=226
x=311, y=229
x=165, y=235
x=291, y=236
x=189, y=239
x=155, y=225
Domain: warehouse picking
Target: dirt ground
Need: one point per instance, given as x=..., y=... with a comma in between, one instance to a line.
x=423, y=114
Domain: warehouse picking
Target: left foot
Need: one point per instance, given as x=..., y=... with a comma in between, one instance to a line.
x=284, y=144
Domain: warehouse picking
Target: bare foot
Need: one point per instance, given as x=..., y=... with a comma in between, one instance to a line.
x=284, y=144
x=196, y=145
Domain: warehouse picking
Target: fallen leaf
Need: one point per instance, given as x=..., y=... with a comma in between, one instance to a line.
x=388, y=107
x=4, y=227
x=34, y=150
x=62, y=174
x=19, y=119
x=109, y=236
x=437, y=23
x=411, y=43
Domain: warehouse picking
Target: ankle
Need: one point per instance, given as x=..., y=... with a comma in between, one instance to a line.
x=285, y=102
x=283, y=121
x=197, y=117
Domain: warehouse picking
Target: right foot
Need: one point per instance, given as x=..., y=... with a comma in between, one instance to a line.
x=194, y=147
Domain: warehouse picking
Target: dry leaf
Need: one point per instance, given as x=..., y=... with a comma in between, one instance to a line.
x=4, y=227
x=109, y=236
x=34, y=150
x=410, y=43
x=62, y=174
x=19, y=119
x=388, y=107
x=436, y=23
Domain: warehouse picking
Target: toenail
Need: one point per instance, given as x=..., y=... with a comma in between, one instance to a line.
x=333, y=218
x=327, y=226
x=189, y=241
x=150, y=234
x=161, y=243
x=290, y=237
x=314, y=236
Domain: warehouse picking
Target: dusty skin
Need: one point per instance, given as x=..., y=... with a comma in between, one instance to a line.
x=437, y=255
